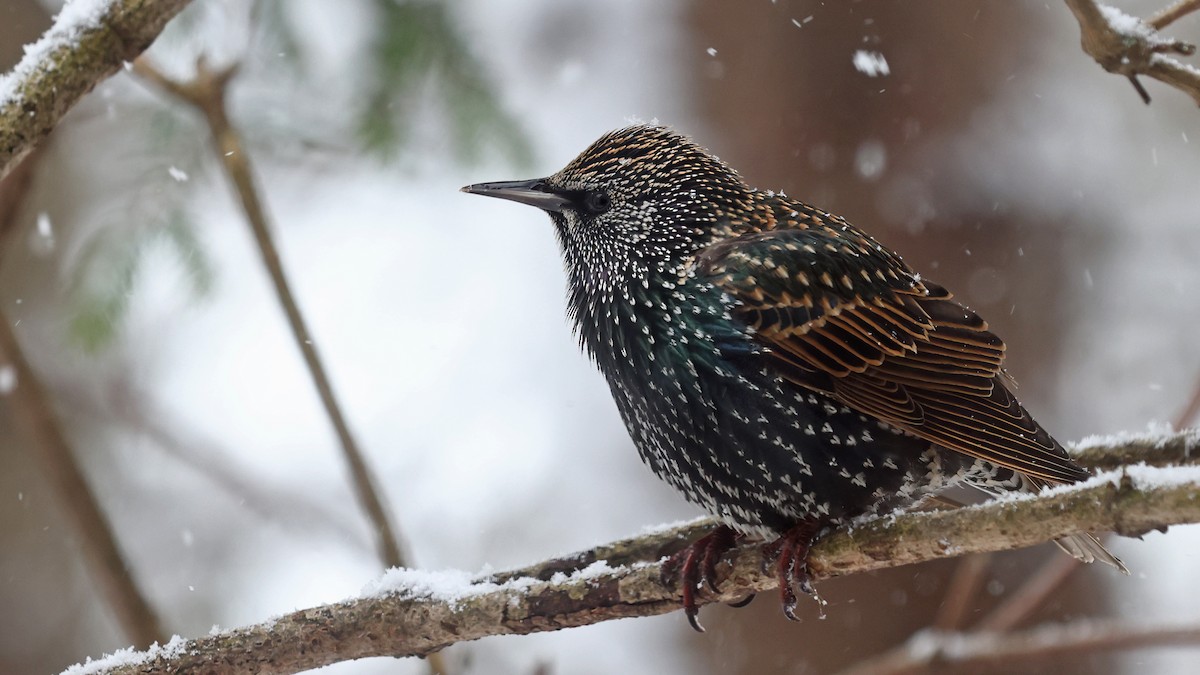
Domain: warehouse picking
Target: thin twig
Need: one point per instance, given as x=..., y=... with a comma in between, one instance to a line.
x=426, y=611
x=31, y=405
x=1030, y=595
x=1188, y=415
x=1168, y=15
x=956, y=652
x=207, y=94
x=1023, y=602
x=968, y=577
x=13, y=189
x=122, y=401
x=105, y=561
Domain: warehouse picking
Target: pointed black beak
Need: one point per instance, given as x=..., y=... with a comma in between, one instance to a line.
x=532, y=192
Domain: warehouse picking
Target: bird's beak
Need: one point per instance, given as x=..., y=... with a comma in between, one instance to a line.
x=532, y=192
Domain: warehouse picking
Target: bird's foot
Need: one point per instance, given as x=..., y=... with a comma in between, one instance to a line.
x=789, y=553
x=696, y=565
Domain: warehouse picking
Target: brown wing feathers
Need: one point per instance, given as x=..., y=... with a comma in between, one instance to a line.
x=895, y=347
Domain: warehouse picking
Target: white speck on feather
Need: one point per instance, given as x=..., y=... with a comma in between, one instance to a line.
x=871, y=64
x=178, y=174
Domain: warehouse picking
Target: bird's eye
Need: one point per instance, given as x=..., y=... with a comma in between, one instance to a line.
x=597, y=202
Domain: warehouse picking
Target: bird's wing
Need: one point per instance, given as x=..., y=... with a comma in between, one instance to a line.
x=840, y=314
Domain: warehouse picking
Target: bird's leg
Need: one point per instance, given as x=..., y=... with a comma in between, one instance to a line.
x=790, y=555
x=697, y=564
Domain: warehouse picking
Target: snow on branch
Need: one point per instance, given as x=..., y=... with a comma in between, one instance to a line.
x=1127, y=45
x=415, y=613
x=89, y=41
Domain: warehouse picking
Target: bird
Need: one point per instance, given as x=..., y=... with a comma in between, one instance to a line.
x=775, y=364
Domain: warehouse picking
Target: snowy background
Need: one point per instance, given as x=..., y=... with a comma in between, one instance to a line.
x=979, y=141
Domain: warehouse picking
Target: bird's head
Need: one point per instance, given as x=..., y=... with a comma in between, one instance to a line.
x=639, y=200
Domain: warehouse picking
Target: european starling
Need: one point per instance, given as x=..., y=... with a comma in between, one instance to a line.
x=772, y=362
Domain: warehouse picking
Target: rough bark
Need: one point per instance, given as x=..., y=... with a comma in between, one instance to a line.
x=48, y=84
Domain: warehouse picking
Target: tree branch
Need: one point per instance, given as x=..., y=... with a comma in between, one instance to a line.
x=75, y=55
x=32, y=407
x=105, y=561
x=1156, y=448
x=206, y=93
x=1169, y=14
x=416, y=613
x=1043, y=582
x=1129, y=46
x=970, y=652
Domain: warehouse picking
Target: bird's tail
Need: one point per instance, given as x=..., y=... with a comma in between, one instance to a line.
x=1084, y=547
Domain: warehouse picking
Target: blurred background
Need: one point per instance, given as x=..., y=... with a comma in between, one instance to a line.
x=993, y=154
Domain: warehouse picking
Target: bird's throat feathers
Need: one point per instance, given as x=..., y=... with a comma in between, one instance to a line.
x=638, y=317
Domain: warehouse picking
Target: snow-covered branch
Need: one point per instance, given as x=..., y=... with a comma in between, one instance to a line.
x=1125, y=44
x=413, y=613
x=90, y=40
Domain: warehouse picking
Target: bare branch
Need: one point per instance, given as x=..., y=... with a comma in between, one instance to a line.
x=425, y=614
x=207, y=94
x=967, y=579
x=956, y=652
x=32, y=406
x=95, y=535
x=67, y=63
x=1171, y=13
x=1025, y=601
x=1131, y=47
x=1153, y=448
x=1192, y=408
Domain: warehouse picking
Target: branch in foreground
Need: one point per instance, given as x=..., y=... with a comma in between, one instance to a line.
x=86, y=45
x=416, y=613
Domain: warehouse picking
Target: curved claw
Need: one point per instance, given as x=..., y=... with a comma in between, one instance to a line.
x=697, y=566
x=743, y=602
x=790, y=552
